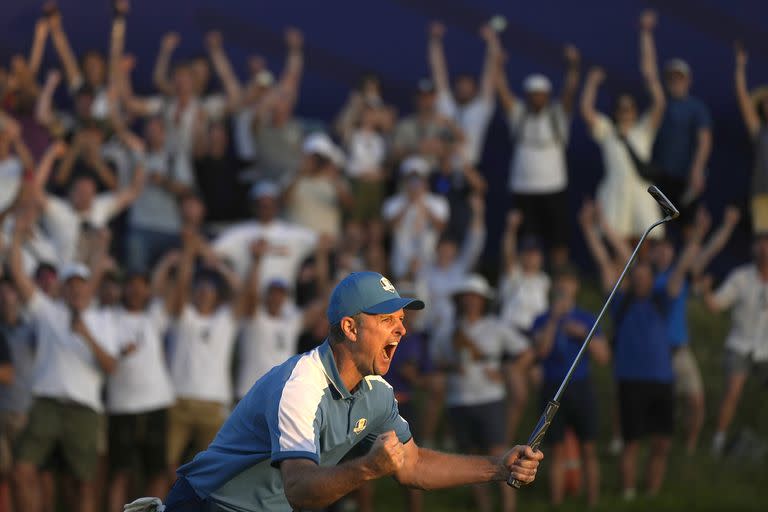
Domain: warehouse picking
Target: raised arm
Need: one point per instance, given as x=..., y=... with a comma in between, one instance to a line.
x=64, y=51
x=247, y=301
x=572, y=75
x=593, y=237
x=717, y=241
x=493, y=54
x=12, y=131
x=44, y=106
x=474, y=239
x=290, y=79
x=748, y=110
x=691, y=252
x=589, y=112
x=23, y=224
x=160, y=73
x=223, y=68
x=436, y=57
x=38, y=46
x=161, y=280
x=506, y=96
x=117, y=41
x=649, y=67
x=509, y=241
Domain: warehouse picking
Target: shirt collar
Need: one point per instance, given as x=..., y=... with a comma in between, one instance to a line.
x=331, y=370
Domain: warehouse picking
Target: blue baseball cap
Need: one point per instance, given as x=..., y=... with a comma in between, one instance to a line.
x=367, y=292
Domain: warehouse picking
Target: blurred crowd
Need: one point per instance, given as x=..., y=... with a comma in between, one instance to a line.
x=160, y=253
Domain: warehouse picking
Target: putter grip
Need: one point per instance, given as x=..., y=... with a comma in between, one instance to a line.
x=538, y=433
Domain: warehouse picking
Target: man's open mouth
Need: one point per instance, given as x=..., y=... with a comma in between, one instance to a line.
x=389, y=350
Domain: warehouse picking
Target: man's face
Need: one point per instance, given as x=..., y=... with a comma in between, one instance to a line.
x=642, y=280
x=110, y=292
x=47, y=281
x=205, y=295
x=154, y=132
x=192, y=210
x=464, y=89
x=678, y=84
x=137, y=293
x=201, y=73
x=537, y=100
x=566, y=287
x=626, y=109
x=472, y=304
x=266, y=208
x=425, y=102
x=531, y=259
x=377, y=339
x=663, y=254
x=76, y=293
x=183, y=81
x=276, y=296
x=94, y=69
x=82, y=193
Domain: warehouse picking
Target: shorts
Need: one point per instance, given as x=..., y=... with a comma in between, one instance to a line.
x=759, y=209
x=545, y=216
x=646, y=408
x=687, y=375
x=11, y=425
x=735, y=363
x=194, y=422
x=71, y=427
x=578, y=410
x=479, y=428
x=139, y=441
x=369, y=196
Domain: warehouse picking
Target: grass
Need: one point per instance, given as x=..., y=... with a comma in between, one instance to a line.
x=696, y=482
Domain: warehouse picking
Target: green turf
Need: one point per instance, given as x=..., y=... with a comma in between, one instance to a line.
x=695, y=483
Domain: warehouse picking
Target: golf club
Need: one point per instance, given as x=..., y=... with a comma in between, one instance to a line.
x=534, y=441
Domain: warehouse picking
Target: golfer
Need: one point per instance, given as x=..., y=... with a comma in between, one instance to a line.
x=284, y=446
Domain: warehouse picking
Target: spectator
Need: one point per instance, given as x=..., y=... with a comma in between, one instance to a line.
x=688, y=381
x=475, y=397
x=17, y=359
x=468, y=105
x=139, y=394
x=558, y=335
x=643, y=358
x=626, y=143
x=85, y=158
x=288, y=243
x=754, y=112
x=538, y=176
x=684, y=142
x=316, y=197
x=272, y=324
x=75, y=349
x=12, y=165
x=415, y=217
x=219, y=174
x=204, y=329
x=745, y=293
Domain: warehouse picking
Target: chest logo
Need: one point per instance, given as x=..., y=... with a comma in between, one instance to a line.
x=360, y=425
x=387, y=285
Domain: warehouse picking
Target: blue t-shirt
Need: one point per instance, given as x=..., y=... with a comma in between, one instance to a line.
x=565, y=347
x=677, y=138
x=299, y=410
x=642, y=351
x=677, y=321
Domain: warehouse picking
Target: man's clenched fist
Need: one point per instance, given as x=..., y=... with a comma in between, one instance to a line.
x=522, y=463
x=387, y=455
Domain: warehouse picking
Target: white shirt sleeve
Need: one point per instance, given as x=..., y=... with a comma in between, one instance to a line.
x=39, y=305
x=729, y=291
x=446, y=105
x=513, y=342
x=602, y=128
x=392, y=207
x=104, y=207
x=438, y=206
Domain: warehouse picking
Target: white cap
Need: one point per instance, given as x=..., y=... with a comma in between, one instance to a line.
x=72, y=270
x=537, y=83
x=319, y=144
x=677, y=65
x=265, y=78
x=475, y=283
x=415, y=165
x=264, y=189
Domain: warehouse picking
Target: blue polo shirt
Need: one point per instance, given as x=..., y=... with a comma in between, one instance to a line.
x=565, y=347
x=678, y=135
x=299, y=410
x=642, y=350
x=677, y=321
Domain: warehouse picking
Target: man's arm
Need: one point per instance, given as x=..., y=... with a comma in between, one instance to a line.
x=748, y=110
x=718, y=240
x=106, y=362
x=596, y=246
x=44, y=105
x=491, y=67
x=696, y=177
x=589, y=112
x=38, y=46
x=509, y=241
x=290, y=78
x=571, y=80
x=436, y=57
x=223, y=68
x=160, y=78
x=24, y=285
x=429, y=469
x=649, y=67
x=64, y=50
x=12, y=131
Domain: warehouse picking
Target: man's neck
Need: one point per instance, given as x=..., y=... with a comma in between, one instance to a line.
x=350, y=375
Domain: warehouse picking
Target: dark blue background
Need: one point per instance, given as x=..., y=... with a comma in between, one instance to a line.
x=344, y=38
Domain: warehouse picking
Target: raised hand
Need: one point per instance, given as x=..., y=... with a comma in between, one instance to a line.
x=121, y=7
x=741, y=54
x=387, y=455
x=596, y=75
x=170, y=41
x=294, y=39
x=731, y=216
x=648, y=20
x=436, y=30
x=487, y=32
x=514, y=220
x=572, y=55
x=213, y=40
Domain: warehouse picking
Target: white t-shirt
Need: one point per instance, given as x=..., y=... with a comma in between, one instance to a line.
x=156, y=208
x=366, y=152
x=747, y=295
x=538, y=162
x=141, y=382
x=473, y=385
x=10, y=180
x=202, y=355
x=65, y=224
x=314, y=204
x=523, y=297
x=179, y=123
x=38, y=248
x=473, y=118
x=266, y=342
x=289, y=244
x=415, y=236
x=65, y=367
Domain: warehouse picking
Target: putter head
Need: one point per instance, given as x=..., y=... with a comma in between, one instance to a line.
x=670, y=211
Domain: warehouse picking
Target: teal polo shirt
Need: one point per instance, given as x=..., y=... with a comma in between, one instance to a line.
x=299, y=410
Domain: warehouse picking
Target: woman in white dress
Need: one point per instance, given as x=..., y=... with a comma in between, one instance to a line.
x=621, y=193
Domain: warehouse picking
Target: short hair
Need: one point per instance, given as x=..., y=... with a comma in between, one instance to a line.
x=336, y=333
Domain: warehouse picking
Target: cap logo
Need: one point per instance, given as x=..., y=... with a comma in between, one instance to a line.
x=387, y=285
